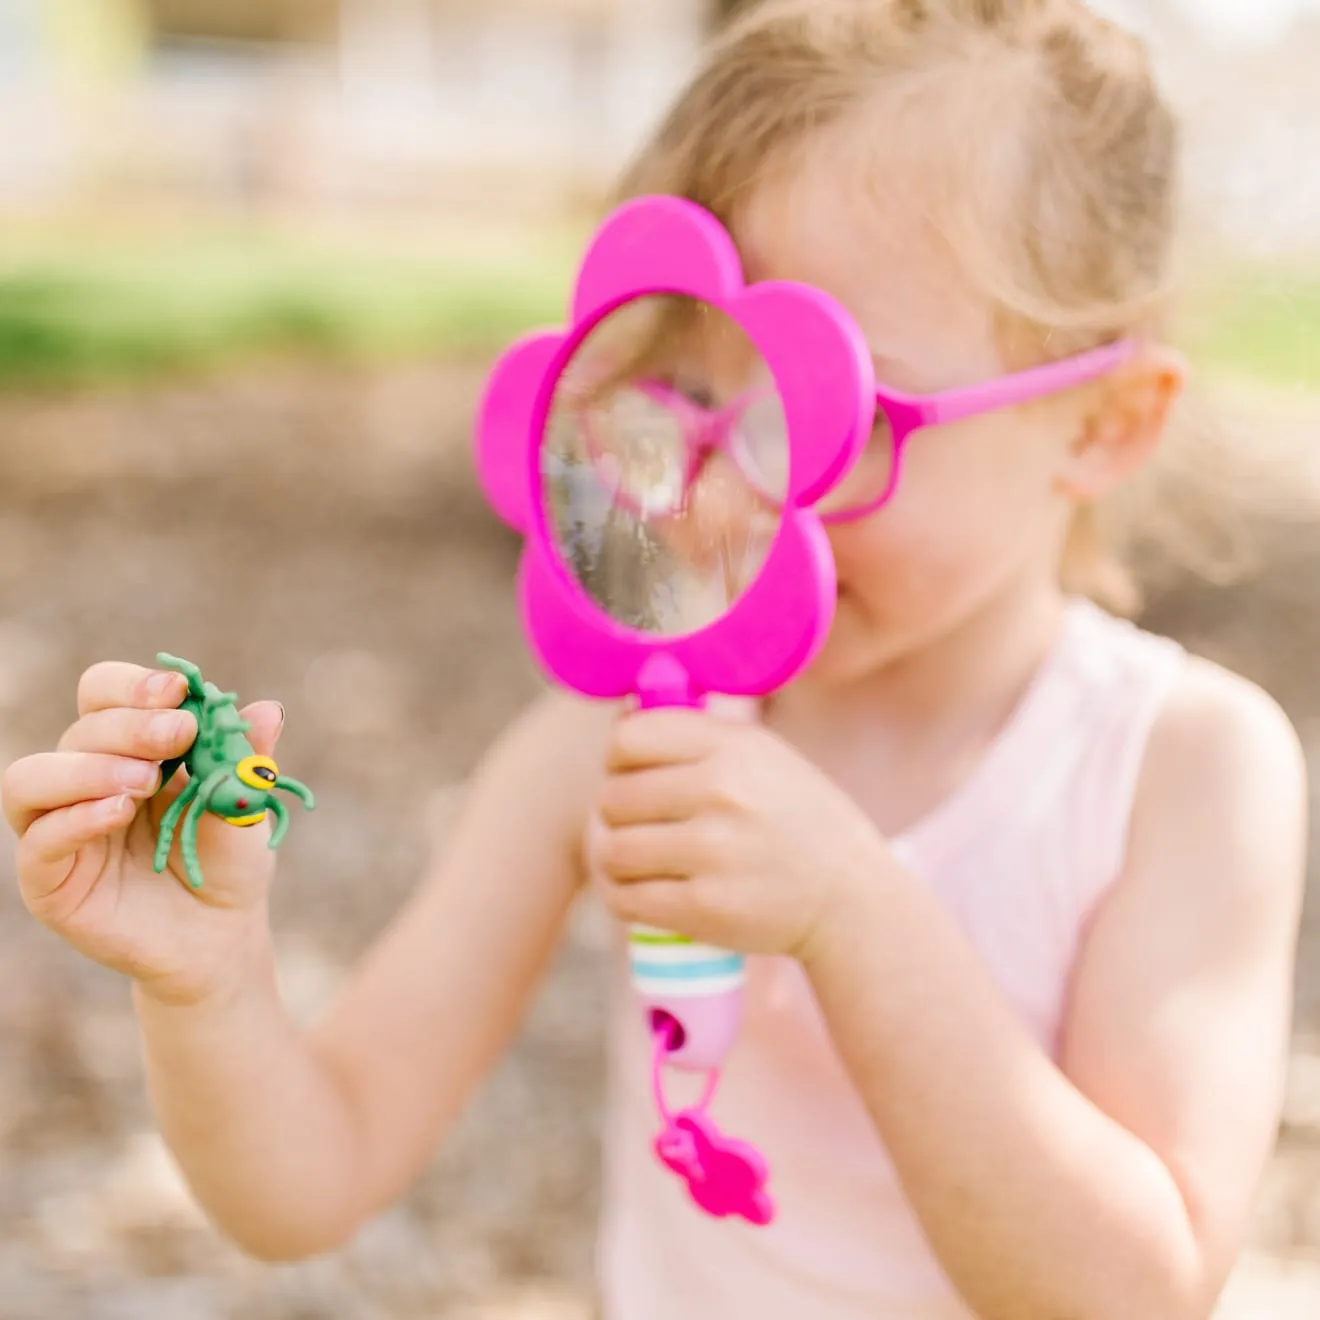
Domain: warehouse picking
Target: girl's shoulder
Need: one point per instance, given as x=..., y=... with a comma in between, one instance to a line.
x=1221, y=812
x=1211, y=734
x=1220, y=735
x=1168, y=749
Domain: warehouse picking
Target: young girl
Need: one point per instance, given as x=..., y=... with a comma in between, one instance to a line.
x=1020, y=882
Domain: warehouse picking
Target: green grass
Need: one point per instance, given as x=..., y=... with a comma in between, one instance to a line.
x=1261, y=323
x=77, y=312
x=125, y=310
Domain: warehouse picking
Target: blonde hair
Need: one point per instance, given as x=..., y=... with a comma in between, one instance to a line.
x=1056, y=178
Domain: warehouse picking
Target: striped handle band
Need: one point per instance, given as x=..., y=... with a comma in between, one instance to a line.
x=667, y=964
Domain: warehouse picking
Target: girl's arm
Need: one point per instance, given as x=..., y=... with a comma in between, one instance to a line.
x=1121, y=1184
x=290, y=1140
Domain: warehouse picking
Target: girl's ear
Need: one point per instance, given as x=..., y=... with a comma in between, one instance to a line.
x=1125, y=425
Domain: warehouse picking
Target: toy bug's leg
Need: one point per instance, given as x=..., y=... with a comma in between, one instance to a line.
x=281, y=814
x=300, y=791
x=196, y=688
x=188, y=841
x=170, y=822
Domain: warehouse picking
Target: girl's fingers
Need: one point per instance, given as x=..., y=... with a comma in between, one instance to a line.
x=148, y=735
x=113, y=683
x=665, y=904
x=654, y=738
x=51, y=780
x=639, y=797
x=49, y=849
x=645, y=852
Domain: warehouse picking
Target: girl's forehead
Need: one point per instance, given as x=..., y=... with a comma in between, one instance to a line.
x=874, y=246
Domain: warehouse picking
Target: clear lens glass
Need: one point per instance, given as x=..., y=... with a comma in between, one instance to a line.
x=759, y=444
x=654, y=515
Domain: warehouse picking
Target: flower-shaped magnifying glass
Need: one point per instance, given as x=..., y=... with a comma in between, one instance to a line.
x=660, y=455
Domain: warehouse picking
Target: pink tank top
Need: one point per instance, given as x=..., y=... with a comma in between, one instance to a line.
x=1020, y=855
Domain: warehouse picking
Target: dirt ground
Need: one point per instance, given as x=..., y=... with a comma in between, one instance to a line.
x=317, y=537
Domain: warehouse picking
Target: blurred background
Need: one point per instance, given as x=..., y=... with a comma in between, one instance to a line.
x=255, y=256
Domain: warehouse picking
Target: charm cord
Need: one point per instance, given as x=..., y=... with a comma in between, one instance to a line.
x=665, y=1032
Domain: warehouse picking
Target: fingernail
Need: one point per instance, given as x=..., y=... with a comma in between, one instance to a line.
x=280, y=704
x=113, y=808
x=158, y=685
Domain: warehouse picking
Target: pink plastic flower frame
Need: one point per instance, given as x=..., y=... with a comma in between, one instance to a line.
x=821, y=368
x=823, y=371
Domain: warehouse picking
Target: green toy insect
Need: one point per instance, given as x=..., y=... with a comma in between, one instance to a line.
x=225, y=775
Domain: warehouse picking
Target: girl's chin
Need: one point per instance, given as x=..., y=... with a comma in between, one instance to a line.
x=849, y=649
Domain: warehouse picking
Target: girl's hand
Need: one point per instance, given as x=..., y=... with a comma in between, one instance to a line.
x=87, y=822
x=722, y=832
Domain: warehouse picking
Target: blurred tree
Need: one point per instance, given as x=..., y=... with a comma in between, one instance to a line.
x=264, y=21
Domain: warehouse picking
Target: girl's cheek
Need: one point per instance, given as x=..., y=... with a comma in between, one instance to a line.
x=896, y=533
x=904, y=563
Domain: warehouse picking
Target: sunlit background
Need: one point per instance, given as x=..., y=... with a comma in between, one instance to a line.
x=254, y=258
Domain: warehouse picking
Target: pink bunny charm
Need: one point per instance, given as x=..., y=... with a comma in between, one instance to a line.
x=724, y=1176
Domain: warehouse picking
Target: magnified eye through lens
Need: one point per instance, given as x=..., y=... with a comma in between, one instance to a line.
x=664, y=464
x=638, y=444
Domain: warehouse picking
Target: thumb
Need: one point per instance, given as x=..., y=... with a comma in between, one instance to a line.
x=267, y=720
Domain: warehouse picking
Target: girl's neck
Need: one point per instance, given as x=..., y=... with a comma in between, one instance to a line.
x=953, y=691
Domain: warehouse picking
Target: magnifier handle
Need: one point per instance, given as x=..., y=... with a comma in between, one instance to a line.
x=696, y=990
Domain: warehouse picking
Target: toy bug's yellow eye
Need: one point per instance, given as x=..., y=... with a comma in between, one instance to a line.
x=257, y=771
